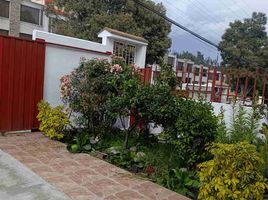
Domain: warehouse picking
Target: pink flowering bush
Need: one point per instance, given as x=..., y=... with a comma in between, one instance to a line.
x=89, y=88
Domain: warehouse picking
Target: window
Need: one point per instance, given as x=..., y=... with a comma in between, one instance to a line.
x=205, y=71
x=25, y=36
x=31, y=15
x=218, y=76
x=126, y=51
x=188, y=80
x=3, y=32
x=180, y=66
x=171, y=61
x=196, y=72
x=4, y=8
x=189, y=67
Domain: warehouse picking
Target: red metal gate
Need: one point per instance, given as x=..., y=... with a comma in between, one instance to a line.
x=21, y=82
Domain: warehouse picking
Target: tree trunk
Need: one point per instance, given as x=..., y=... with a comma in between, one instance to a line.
x=126, y=140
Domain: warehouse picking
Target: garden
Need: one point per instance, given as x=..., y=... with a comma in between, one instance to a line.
x=109, y=112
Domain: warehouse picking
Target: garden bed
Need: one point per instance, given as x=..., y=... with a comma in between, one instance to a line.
x=195, y=155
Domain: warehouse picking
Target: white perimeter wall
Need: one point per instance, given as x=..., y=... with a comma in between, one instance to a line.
x=61, y=60
x=228, y=112
x=228, y=116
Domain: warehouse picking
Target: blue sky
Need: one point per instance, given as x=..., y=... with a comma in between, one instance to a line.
x=208, y=18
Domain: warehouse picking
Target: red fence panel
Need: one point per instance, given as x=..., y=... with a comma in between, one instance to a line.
x=21, y=82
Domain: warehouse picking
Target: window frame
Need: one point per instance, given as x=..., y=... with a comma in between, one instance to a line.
x=8, y=2
x=4, y=32
x=25, y=36
x=180, y=66
x=124, y=51
x=40, y=15
x=196, y=71
x=172, y=59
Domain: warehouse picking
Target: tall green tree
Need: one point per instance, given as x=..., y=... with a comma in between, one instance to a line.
x=245, y=43
x=85, y=18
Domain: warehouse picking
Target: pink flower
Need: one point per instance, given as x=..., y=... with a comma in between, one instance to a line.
x=65, y=86
x=115, y=68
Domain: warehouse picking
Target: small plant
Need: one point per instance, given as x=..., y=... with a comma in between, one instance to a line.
x=131, y=159
x=82, y=143
x=53, y=120
x=179, y=180
x=222, y=135
x=263, y=144
x=233, y=173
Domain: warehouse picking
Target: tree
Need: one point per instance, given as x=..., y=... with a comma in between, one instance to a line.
x=244, y=44
x=85, y=18
x=197, y=59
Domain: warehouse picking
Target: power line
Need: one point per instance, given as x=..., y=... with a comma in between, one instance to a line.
x=198, y=30
x=241, y=8
x=176, y=23
x=226, y=5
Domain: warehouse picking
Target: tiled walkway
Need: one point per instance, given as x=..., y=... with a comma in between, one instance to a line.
x=80, y=176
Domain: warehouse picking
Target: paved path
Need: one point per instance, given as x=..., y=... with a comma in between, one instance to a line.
x=17, y=182
x=80, y=176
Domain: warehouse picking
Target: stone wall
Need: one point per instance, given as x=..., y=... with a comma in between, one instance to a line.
x=14, y=26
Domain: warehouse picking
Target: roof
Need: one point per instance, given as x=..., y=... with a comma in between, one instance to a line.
x=127, y=35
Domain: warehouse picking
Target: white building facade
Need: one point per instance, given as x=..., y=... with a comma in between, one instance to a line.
x=20, y=17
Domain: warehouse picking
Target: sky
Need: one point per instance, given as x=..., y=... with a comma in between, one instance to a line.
x=209, y=18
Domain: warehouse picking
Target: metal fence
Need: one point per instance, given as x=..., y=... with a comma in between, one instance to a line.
x=21, y=82
x=217, y=84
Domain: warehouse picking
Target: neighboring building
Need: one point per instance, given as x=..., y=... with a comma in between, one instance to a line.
x=199, y=80
x=20, y=17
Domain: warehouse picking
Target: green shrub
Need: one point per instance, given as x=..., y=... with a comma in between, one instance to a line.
x=87, y=93
x=194, y=127
x=53, y=120
x=163, y=156
x=233, y=173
